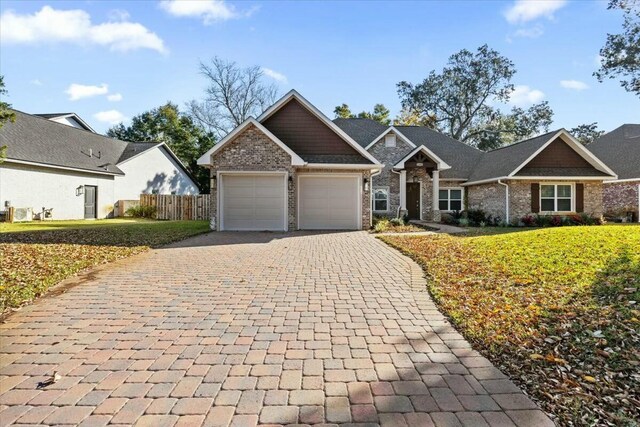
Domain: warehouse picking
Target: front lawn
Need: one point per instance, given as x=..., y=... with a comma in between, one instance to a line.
x=35, y=256
x=555, y=308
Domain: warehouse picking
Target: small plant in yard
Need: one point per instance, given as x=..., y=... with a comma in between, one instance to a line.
x=555, y=308
x=142, y=211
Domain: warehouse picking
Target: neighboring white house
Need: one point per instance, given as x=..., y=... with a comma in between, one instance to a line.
x=58, y=162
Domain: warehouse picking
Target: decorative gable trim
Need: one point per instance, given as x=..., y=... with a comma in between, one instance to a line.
x=383, y=134
x=442, y=165
x=311, y=108
x=576, y=146
x=205, y=159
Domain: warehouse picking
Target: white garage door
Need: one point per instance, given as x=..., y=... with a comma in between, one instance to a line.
x=253, y=202
x=329, y=202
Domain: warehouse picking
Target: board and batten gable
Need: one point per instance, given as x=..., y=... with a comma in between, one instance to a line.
x=308, y=136
x=30, y=186
x=154, y=170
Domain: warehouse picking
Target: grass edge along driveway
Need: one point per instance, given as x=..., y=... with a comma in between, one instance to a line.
x=36, y=256
x=554, y=308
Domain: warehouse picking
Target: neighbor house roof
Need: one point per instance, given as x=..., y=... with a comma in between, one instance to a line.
x=507, y=161
x=461, y=157
x=34, y=139
x=620, y=150
x=73, y=116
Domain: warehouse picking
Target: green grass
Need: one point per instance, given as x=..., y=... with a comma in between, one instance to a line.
x=36, y=256
x=555, y=307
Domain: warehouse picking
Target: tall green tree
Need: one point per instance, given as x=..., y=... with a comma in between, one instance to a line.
x=621, y=52
x=463, y=100
x=167, y=124
x=343, y=112
x=409, y=117
x=586, y=133
x=380, y=113
x=6, y=115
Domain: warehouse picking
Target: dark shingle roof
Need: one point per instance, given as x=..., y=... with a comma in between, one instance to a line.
x=363, y=131
x=461, y=157
x=456, y=154
x=526, y=171
x=36, y=139
x=502, y=161
x=77, y=118
x=134, y=148
x=620, y=150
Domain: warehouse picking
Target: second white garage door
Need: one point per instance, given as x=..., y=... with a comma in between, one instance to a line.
x=253, y=202
x=329, y=202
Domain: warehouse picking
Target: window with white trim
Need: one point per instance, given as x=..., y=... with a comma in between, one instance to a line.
x=450, y=199
x=390, y=140
x=556, y=197
x=381, y=199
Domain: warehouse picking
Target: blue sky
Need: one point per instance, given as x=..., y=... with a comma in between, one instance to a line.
x=110, y=60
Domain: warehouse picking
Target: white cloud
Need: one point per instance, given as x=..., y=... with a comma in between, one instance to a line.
x=77, y=91
x=523, y=95
x=36, y=82
x=209, y=10
x=574, y=84
x=50, y=25
x=530, y=33
x=112, y=117
x=279, y=77
x=114, y=97
x=528, y=10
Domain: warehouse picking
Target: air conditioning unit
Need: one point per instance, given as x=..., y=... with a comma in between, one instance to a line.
x=22, y=214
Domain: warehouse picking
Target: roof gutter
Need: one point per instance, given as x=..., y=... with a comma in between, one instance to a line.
x=47, y=165
x=485, y=181
x=358, y=166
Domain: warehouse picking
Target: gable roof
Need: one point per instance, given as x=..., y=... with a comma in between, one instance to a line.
x=293, y=94
x=507, y=161
x=620, y=150
x=33, y=139
x=73, y=116
x=205, y=159
x=461, y=157
x=442, y=165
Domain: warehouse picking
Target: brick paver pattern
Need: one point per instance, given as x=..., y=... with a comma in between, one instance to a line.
x=252, y=328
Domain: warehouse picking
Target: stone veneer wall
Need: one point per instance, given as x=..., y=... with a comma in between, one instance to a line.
x=621, y=196
x=253, y=151
x=389, y=156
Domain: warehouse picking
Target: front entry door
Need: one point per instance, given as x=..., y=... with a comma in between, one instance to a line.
x=413, y=200
x=90, y=198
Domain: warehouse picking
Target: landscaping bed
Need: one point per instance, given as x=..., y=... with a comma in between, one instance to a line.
x=383, y=225
x=36, y=256
x=555, y=308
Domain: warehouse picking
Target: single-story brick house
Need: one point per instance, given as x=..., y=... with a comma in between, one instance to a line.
x=58, y=163
x=293, y=168
x=620, y=149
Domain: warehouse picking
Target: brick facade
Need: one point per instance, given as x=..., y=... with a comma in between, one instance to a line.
x=621, y=197
x=491, y=198
x=253, y=151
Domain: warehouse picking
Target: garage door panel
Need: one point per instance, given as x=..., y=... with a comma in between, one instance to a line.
x=329, y=202
x=253, y=202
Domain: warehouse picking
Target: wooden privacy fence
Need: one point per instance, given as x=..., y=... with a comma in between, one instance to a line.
x=173, y=207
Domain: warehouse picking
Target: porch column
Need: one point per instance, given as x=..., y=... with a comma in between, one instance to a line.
x=435, y=208
x=403, y=190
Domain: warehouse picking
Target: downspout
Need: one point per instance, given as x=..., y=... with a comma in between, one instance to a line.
x=506, y=198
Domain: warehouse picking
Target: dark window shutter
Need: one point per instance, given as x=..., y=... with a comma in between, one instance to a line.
x=535, y=198
x=579, y=197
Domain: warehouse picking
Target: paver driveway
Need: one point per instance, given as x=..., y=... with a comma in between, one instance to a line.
x=250, y=328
